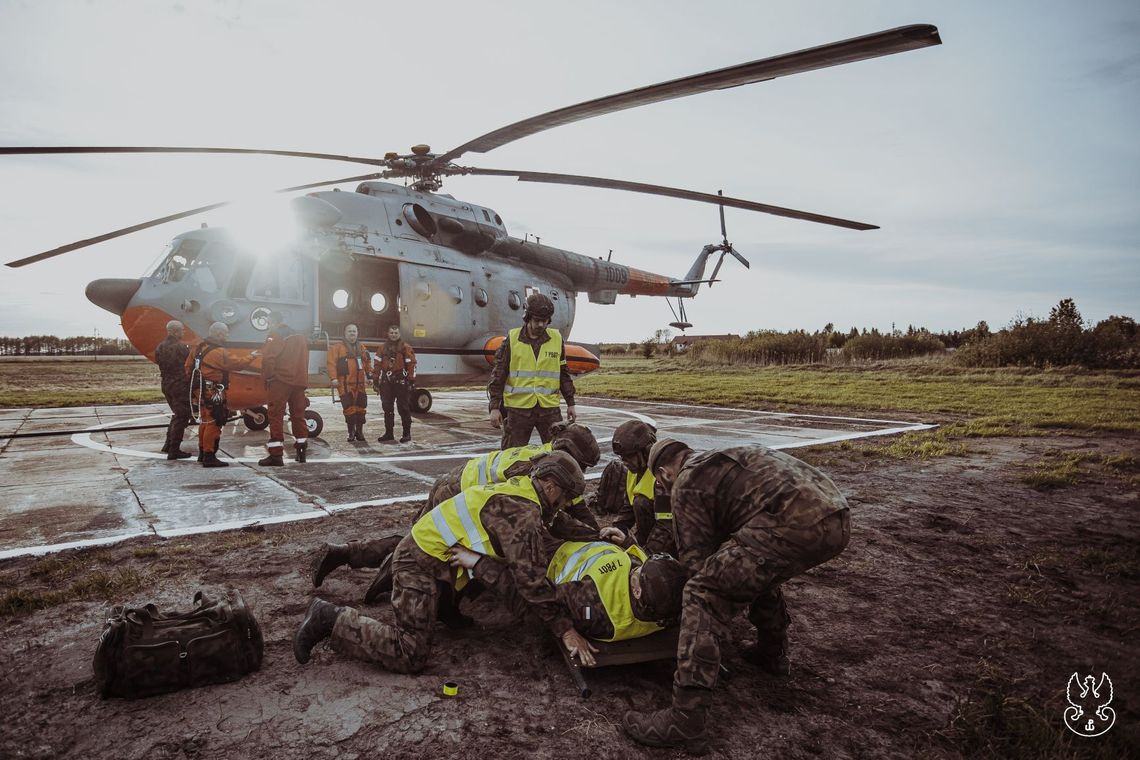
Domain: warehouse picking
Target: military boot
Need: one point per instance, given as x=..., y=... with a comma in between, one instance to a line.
x=301, y=449
x=275, y=459
x=210, y=459
x=328, y=559
x=680, y=725
x=387, y=437
x=351, y=430
x=179, y=454
x=382, y=583
x=360, y=429
x=315, y=628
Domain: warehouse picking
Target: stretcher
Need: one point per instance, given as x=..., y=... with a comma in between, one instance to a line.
x=656, y=646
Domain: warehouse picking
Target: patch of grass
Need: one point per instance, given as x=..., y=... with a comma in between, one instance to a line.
x=999, y=402
x=231, y=540
x=1111, y=563
x=1060, y=469
x=99, y=584
x=145, y=552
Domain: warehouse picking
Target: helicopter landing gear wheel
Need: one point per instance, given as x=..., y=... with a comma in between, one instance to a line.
x=314, y=422
x=421, y=401
x=256, y=418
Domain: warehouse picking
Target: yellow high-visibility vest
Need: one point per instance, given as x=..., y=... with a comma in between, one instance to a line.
x=642, y=486
x=609, y=567
x=456, y=521
x=531, y=380
x=492, y=467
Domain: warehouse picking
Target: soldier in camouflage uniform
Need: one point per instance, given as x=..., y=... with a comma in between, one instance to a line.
x=629, y=488
x=747, y=519
x=576, y=440
x=170, y=356
x=505, y=521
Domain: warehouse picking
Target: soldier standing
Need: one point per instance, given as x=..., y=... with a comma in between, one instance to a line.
x=746, y=519
x=505, y=520
x=209, y=366
x=170, y=355
x=529, y=374
x=349, y=366
x=394, y=377
x=285, y=369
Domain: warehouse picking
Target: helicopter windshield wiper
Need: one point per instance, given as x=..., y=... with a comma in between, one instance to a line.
x=672, y=192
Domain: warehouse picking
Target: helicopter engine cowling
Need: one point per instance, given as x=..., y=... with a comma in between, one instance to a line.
x=469, y=237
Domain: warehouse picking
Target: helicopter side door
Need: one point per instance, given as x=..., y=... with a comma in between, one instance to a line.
x=360, y=291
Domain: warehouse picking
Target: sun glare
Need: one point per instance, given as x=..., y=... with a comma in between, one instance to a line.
x=261, y=225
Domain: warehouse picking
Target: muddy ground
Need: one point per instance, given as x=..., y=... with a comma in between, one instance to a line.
x=948, y=628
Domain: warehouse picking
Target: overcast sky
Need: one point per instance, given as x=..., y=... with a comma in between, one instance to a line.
x=1003, y=166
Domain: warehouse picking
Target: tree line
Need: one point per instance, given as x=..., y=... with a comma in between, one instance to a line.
x=53, y=345
x=1064, y=339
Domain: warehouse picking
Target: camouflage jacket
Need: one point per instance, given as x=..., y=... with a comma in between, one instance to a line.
x=723, y=493
x=170, y=356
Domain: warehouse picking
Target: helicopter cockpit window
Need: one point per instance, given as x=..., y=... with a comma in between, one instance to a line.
x=514, y=300
x=179, y=261
x=481, y=297
x=378, y=302
x=340, y=298
x=277, y=278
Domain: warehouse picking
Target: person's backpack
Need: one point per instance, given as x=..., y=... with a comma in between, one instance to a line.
x=143, y=651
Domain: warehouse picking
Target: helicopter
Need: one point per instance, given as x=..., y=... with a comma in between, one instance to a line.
x=446, y=271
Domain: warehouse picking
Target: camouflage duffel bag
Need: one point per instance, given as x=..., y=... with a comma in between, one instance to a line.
x=143, y=651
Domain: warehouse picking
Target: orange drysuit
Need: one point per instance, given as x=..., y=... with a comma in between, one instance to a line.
x=351, y=368
x=285, y=368
x=208, y=388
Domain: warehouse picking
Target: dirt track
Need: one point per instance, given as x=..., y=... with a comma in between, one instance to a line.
x=949, y=627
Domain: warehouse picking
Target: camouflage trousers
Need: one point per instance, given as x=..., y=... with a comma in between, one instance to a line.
x=748, y=570
x=519, y=424
x=402, y=646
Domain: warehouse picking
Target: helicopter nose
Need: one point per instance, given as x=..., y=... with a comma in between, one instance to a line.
x=112, y=294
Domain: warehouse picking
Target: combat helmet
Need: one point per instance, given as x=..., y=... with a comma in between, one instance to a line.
x=633, y=437
x=538, y=306
x=578, y=441
x=563, y=469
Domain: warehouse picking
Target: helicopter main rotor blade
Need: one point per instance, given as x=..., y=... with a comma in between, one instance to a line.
x=172, y=217
x=672, y=192
x=27, y=151
x=874, y=45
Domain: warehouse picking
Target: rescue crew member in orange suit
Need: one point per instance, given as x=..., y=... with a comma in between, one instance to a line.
x=209, y=366
x=394, y=377
x=529, y=373
x=170, y=356
x=285, y=369
x=350, y=366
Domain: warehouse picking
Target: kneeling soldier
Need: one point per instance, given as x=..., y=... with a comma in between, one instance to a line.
x=505, y=520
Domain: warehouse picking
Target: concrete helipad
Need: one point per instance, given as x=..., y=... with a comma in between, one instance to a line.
x=101, y=483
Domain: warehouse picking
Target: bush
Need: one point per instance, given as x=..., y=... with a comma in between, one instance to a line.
x=876, y=346
x=763, y=347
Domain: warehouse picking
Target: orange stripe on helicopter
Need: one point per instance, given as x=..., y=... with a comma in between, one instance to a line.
x=646, y=284
x=579, y=360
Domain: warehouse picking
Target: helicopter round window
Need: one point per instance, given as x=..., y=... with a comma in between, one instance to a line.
x=378, y=302
x=481, y=297
x=340, y=298
x=514, y=301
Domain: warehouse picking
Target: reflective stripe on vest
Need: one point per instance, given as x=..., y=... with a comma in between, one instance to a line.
x=609, y=567
x=663, y=515
x=456, y=521
x=492, y=467
x=533, y=381
x=642, y=487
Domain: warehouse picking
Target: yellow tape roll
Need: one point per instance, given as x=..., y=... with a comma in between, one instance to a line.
x=450, y=689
